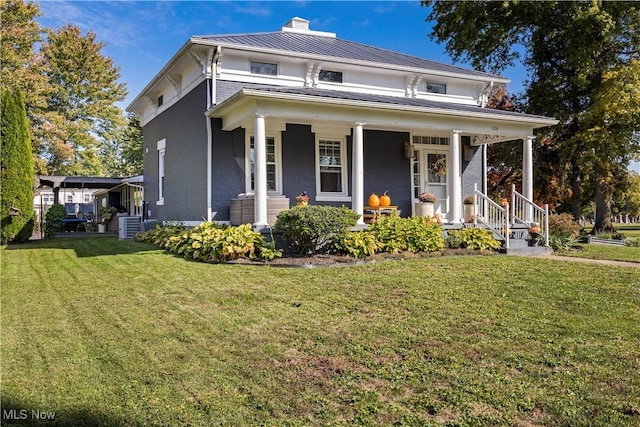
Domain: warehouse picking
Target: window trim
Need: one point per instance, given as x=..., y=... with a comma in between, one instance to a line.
x=161, y=148
x=342, y=196
x=278, y=163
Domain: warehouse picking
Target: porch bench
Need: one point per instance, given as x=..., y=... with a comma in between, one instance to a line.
x=370, y=213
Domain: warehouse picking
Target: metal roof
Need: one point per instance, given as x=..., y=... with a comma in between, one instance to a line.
x=385, y=99
x=334, y=48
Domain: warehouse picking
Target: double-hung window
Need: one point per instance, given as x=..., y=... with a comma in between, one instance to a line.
x=331, y=169
x=273, y=166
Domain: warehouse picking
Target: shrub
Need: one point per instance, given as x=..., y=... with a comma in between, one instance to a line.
x=563, y=225
x=414, y=234
x=632, y=241
x=315, y=229
x=561, y=243
x=211, y=242
x=359, y=244
x=52, y=219
x=472, y=238
x=16, y=158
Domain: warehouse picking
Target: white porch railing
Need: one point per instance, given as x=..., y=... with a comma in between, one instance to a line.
x=492, y=215
x=526, y=212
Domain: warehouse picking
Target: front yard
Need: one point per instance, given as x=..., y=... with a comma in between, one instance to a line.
x=104, y=332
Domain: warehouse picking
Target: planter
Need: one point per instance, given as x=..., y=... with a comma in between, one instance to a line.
x=101, y=228
x=302, y=203
x=469, y=212
x=424, y=209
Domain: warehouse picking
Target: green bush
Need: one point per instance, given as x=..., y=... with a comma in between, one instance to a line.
x=414, y=234
x=632, y=241
x=472, y=238
x=315, y=229
x=210, y=242
x=563, y=225
x=359, y=244
x=561, y=243
x=16, y=169
x=52, y=219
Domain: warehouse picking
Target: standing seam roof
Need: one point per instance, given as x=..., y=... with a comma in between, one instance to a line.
x=337, y=48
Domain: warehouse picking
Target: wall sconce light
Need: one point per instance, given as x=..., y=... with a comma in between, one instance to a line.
x=408, y=151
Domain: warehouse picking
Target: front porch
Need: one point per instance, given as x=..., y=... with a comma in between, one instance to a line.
x=343, y=151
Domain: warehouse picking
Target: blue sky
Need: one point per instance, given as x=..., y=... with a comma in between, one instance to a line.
x=142, y=36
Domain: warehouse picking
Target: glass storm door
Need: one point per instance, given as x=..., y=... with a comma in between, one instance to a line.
x=430, y=175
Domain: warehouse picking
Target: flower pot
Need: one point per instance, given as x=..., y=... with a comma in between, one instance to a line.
x=101, y=228
x=469, y=212
x=302, y=203
x=424, y=209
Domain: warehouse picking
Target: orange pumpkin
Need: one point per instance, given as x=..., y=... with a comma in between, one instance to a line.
x=385, y=200
x=374, y=200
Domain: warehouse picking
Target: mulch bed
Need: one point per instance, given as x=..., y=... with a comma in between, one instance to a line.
x=326, y=260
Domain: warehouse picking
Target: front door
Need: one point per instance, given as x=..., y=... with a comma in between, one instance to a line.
x=429, y=167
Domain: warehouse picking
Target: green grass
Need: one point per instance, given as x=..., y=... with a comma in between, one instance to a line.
x=628, y=230
x=117, y=333
x=605, y=252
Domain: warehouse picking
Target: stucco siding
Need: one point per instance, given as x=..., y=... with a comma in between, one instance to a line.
x=183, y=127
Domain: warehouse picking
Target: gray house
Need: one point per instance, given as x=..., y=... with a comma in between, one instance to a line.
x=236, y=126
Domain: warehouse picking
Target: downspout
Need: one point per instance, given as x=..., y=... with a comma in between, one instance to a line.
x=209, y=165
x=207, y=115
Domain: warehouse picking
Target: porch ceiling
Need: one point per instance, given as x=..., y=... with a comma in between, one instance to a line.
x=311, y=106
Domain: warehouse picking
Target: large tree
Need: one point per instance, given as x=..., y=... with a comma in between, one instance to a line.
x=16, y=170
x=125, y=149
x=570, y=49
x=85, y=90
x=20, y=65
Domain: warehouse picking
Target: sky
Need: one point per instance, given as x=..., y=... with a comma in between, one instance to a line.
x=141, y=36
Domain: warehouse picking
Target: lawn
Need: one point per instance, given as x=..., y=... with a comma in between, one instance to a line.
x=608, y=252
x=103, y=332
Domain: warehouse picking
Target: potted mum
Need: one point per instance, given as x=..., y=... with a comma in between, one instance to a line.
x=302, y=199
x=425, y=205
x=534, y=233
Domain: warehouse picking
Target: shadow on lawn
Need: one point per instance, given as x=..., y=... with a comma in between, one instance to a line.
x=16, y=413
x=88, y=247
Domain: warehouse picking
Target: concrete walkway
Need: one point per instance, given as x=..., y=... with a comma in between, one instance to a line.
x=592, y=261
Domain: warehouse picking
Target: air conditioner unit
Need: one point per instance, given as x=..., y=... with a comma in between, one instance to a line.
x=128, y=226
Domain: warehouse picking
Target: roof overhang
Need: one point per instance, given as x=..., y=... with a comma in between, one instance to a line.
x=240, y=110
x=77, y=181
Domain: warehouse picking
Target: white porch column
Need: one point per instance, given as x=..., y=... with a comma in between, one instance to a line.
x=455, y=179
x=527, y=173
x=260, y=174
x=358, y=171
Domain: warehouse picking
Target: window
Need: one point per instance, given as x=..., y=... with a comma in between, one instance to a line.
x=330, y=76
x=264, y=68
x=87, y=198
x=69, y=198
x=331, y=174
x=431, y=140
x=273, y=165
x=161, y=182
x=436, y=88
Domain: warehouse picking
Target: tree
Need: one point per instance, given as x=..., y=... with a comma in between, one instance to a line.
x=125, y=149
x=85, y=89
x=16, y=197
x=570, y=47
x=20, y=65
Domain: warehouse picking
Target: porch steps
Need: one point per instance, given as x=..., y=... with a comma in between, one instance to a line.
x=520, y=247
